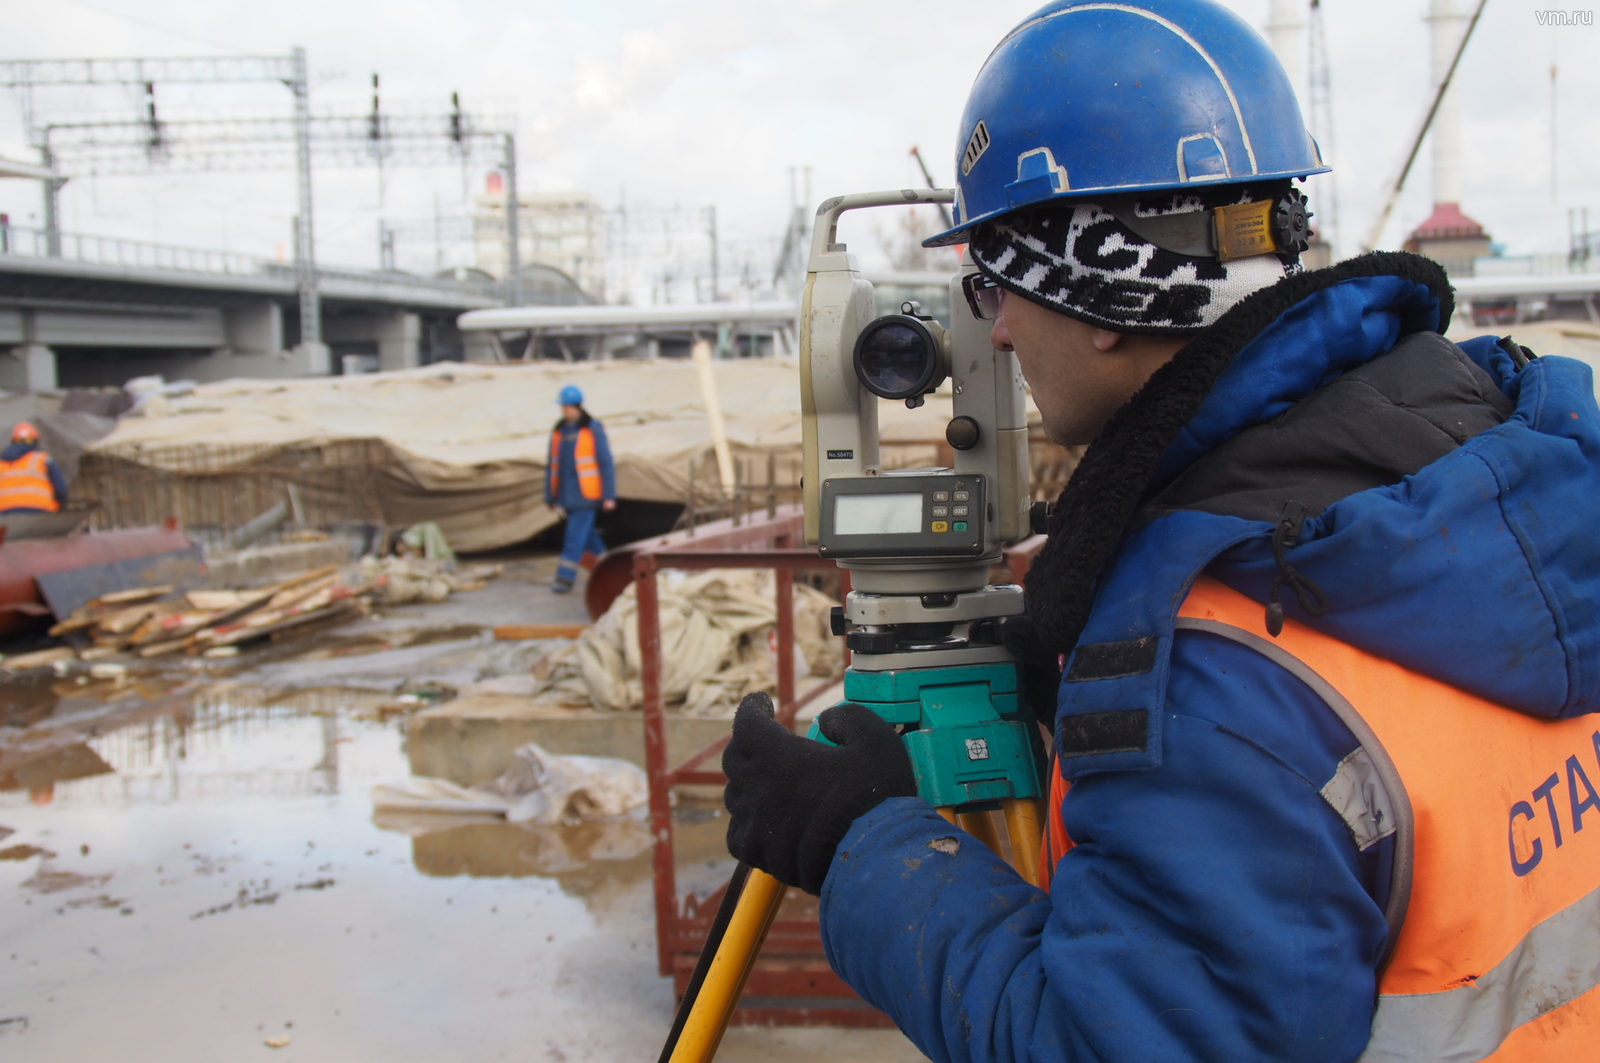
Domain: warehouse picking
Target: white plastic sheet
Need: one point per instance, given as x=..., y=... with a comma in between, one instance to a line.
x=540, y=787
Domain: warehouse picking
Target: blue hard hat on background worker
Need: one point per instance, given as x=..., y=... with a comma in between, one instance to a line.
x=571, y=395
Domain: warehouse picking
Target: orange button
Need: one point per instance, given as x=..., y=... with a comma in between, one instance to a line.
x=941, y=525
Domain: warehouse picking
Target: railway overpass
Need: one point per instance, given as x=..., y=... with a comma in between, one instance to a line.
x=85, y=311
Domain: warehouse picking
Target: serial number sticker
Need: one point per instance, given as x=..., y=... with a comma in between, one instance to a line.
x=977, y=749
x=841, y=455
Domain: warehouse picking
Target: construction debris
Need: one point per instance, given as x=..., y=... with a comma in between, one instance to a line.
x=398, y=580
x=540, y=787
x=156, y=621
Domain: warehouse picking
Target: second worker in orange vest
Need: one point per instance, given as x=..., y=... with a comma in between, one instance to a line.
x=581, y=481
x=30, y=480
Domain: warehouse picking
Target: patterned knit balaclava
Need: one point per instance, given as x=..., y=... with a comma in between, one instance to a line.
x=1081, y=261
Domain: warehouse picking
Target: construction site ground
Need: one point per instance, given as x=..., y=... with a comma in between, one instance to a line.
x=192, y=869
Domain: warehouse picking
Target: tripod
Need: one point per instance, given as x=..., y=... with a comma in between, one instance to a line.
x=973, y=750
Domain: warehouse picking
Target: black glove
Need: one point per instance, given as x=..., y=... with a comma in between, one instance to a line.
x=1041, y=667
x=792, y=800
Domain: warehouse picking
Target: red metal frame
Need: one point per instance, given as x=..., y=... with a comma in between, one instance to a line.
x=792, y=984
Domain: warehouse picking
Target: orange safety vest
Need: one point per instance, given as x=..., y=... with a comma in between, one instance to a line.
x=1497, y=890
x=584, y=457
x=25, y=483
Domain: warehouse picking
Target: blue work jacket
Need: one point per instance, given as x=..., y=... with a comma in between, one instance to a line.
x=1216, y=907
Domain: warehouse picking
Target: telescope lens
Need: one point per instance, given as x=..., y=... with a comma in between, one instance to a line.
x=896, y=357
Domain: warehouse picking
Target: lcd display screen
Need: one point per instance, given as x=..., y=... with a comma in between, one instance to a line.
x=877, y=514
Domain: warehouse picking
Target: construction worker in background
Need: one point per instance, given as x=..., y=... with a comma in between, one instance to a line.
x=30, y=480
x=581, y=479
x=1316, y=634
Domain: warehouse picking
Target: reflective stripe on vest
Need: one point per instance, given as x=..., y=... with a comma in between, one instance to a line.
x=1498, y=951
x=25, y=483
x=584, y=458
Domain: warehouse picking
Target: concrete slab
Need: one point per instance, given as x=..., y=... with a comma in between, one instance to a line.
x=469, y=740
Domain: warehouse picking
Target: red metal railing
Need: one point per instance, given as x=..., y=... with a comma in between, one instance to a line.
x=792, y=984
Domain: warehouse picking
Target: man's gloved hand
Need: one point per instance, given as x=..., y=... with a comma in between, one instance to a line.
x=792, y=800
x=1041, y=667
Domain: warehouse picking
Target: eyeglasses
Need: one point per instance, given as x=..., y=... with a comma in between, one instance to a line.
x=984, y=296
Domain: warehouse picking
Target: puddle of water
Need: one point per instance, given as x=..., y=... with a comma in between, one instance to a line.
x=202, y=876
x=217, y=875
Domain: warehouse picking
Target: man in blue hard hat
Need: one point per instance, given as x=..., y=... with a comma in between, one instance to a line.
x=1316, y=634
x=581, y=480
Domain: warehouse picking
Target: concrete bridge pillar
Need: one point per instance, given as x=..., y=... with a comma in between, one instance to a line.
x=399, y=336
x=254, y=329
x=38, y=369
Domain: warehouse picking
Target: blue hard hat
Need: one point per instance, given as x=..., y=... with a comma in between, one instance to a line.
x=1087, y=99
x=571, y=395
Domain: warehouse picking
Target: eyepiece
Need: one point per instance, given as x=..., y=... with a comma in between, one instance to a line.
x=898, y=357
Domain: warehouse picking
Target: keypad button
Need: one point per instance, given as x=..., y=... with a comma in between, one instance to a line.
x=959, y=526
x=942, y=496
x=941, y=511
x=963, y=496
x=941, y=526
x=959, y=511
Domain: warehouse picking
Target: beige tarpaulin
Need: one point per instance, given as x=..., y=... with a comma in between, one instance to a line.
x=716, y=645
x=465, y=444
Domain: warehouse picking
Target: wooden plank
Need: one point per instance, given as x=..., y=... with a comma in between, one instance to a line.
x=523, y=632
x=346, y=605
x=249, y=605
x=135, y=594
x=213, y=601
x=37, y=659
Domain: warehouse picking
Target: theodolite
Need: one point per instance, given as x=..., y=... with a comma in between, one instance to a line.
x=921, y=620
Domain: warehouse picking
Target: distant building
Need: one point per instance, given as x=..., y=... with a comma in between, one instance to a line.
x=563, y=230
x=1448, y=237
x=1451, y=239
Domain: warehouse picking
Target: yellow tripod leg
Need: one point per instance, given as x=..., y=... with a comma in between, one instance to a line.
x=981, y=826
x=1022, y=824
x=730, y=969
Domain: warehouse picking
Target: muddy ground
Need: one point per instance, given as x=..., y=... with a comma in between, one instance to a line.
x=190, y=869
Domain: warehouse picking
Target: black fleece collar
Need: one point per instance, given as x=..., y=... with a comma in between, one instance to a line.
x=1114, y=478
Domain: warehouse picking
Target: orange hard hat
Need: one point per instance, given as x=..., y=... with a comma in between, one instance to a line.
x=24, y=433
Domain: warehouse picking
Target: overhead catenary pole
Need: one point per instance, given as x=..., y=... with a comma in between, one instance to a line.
x=1440, y=90
x=513, y=229
x=51, y=187
x=305, y=265
x=711, y=214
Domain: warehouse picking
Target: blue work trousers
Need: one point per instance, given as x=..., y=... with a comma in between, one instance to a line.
x=581, y=539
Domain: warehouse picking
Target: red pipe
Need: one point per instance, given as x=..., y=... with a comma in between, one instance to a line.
x=21, y=604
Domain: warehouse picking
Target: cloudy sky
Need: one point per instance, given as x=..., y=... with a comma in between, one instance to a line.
x=700, y=102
